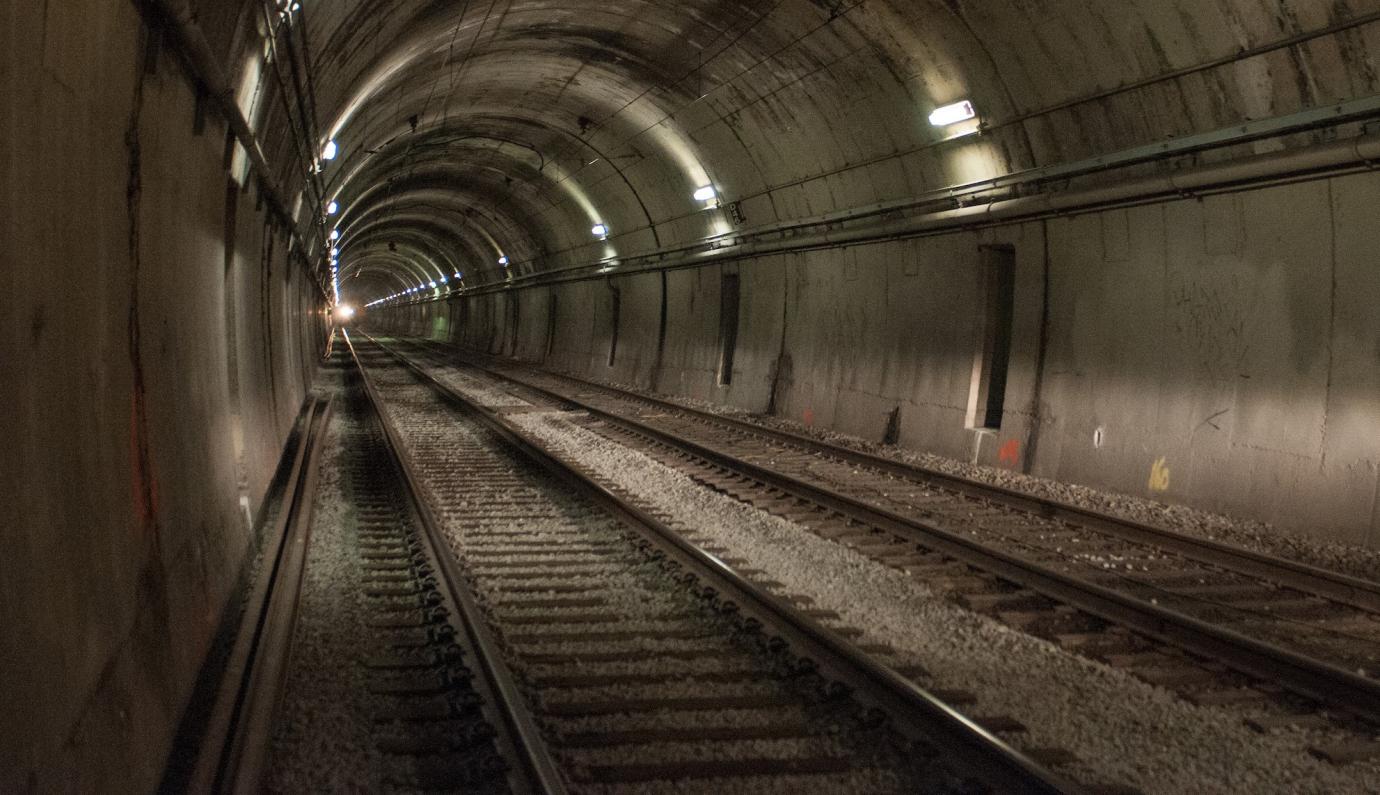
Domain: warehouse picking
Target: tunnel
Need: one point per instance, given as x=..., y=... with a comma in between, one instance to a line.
x=702, y=396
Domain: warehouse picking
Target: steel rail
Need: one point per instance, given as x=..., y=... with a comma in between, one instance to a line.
x=912, y=708
x=538, y=772
x=1338, y=587
x=234, y=748
x=1308, y=676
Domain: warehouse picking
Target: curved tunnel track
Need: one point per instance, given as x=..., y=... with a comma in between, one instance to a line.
x=1307, y=629
x=649, y=660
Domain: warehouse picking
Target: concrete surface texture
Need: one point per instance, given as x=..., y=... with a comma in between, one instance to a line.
x=157, y=345
x=1195, y=324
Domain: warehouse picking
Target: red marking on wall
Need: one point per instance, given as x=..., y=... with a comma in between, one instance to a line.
x=143, y=487
x=1010, y=453
x=808, y=415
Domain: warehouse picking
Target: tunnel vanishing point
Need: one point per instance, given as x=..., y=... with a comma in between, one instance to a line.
x=1126, y=252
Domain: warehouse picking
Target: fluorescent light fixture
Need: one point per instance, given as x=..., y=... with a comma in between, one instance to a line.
x=600, y=230
x=332, y=208
x=335, y=234
x=705, y=194
x=953, y=114
x=503, y=260
x=329, y=152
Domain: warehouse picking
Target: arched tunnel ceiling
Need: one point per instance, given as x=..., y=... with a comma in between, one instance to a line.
x=470, y=130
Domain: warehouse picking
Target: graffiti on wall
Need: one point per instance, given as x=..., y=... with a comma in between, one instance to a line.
x=1010, y=453
x=1159, y=475
x=1208, y=313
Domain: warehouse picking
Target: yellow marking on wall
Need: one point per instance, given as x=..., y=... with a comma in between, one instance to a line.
x=1159, y=475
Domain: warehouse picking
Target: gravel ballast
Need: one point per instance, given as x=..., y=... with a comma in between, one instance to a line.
x=322, y=740
x=1123, y=730
x=469, y=480
x=1249, y=534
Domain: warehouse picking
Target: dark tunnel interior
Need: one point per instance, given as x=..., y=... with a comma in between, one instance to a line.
x=1120, y=255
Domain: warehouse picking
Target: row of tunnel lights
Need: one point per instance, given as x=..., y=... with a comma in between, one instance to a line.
x=945, y=116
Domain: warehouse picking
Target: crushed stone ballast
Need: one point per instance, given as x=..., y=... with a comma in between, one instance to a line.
x=1026, y=568
x=647, y=659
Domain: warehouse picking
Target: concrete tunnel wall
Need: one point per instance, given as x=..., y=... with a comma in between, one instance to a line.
x=1229, y=341
x=1221, y=343
x=159, y=345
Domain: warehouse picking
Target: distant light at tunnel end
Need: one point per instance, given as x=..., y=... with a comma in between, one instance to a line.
x=344, y=312
x=953, y=114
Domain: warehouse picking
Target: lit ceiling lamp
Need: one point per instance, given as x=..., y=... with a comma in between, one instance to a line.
x=953, y=114
x=503, y=260
x=332, y=208
x=328, y=153
x=600, y=231
x=705, y=194
x=335, y=234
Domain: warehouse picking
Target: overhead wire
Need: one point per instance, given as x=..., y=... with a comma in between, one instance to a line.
x=410, y=154
x=306, y=160
x=299, y=50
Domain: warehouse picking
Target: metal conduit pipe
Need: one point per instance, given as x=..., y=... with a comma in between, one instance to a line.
x=1362, y=151
x=1353, y=110
x=1359, y=152
x=178, y=19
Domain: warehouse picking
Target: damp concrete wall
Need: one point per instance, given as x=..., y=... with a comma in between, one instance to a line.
x=1221, y=352
x=158, y=348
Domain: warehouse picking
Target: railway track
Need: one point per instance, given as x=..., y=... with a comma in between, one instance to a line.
x=1216, y=624
x=233, y=751
x=647, y=661
x=448, y=716
x=415, y=656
